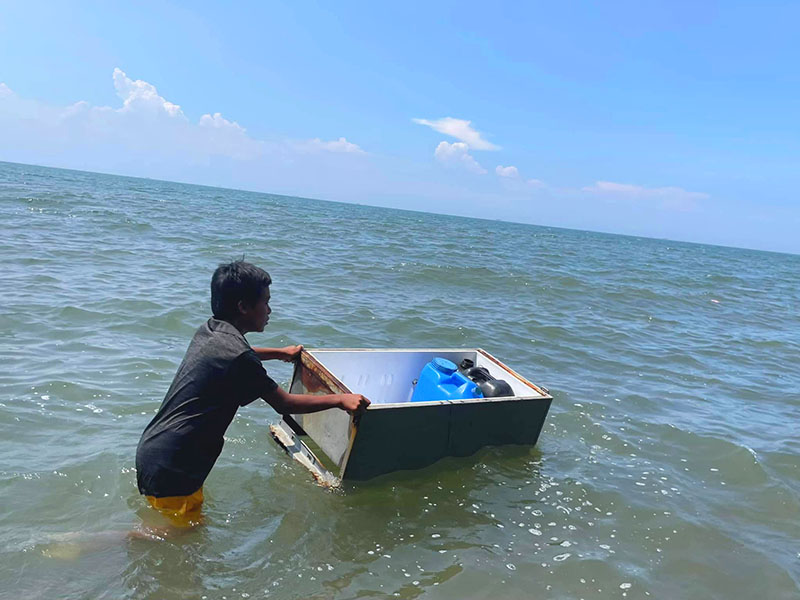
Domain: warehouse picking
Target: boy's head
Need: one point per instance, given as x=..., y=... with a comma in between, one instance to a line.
x=240, y=295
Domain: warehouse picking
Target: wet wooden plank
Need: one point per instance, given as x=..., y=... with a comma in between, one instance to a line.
x=294, y=446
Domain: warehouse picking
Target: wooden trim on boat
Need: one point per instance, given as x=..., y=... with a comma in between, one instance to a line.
x=317, y=368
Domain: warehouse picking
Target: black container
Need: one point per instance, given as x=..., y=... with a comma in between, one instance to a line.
x=495, y=388
x=489, y=386
x=466, y=365
x=478, y=374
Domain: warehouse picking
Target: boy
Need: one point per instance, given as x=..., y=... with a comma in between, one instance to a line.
x=219, y=373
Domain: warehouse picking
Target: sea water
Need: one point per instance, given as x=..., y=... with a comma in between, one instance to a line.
x=669, y=466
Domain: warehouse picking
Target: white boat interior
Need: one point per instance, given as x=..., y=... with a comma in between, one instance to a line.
x=388, y=376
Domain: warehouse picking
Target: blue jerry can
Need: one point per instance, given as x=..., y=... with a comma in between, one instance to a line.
x=441, y=380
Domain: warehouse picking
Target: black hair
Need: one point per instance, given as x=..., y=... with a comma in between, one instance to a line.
x=235, y=282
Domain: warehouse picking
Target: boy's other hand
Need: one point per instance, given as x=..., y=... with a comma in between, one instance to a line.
x=355, y=404
x=290, y=353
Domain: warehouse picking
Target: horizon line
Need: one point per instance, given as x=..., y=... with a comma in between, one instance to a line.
x=249, y=191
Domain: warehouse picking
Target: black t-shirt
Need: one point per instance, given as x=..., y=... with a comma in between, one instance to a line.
x=219, y=373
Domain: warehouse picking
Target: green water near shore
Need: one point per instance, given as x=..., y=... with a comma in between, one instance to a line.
x=669, y=466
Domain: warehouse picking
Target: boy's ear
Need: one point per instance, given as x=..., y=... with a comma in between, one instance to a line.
x=242, y=307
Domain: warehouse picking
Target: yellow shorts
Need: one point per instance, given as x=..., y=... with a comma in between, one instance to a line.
x=182, y=511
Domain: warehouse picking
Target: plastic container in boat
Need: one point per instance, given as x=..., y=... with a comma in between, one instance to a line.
x=441, y=380
x=490, y=386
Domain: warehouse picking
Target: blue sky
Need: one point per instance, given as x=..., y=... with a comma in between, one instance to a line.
x=676, y=120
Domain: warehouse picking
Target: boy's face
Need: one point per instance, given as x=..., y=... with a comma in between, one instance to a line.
x=256, y=316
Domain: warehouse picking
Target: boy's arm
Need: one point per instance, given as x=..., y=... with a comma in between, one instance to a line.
x=286, y=403
x=287, y=353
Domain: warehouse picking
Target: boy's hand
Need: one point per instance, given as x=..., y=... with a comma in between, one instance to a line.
x=355, y=404
x=290, y=353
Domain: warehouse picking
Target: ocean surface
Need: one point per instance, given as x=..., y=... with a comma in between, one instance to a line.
x=669, y=465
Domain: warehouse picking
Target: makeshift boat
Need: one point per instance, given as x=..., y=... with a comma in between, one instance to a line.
x=395, y=433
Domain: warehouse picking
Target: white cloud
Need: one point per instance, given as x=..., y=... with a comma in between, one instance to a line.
x=459, y=129
x=507, y=171
x=217, y=121
x=457, y=155
x=340, y=145
x=513, y=181
x=139, y=95
x=228, y=138
x=670, y=196
x=147, y=129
